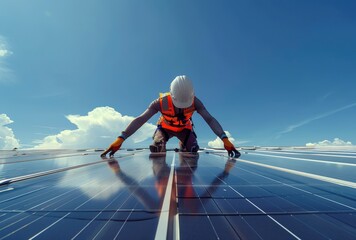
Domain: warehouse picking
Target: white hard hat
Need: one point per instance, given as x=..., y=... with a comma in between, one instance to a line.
x=182, y=92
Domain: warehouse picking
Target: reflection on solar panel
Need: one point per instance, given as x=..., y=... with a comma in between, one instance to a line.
x=266, y=194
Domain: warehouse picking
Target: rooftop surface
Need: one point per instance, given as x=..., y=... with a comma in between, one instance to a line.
x=265, y=194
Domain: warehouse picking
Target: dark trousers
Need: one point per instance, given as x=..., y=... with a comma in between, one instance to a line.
x=187, y=140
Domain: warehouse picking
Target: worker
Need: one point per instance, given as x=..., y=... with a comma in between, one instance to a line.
x=176, y=108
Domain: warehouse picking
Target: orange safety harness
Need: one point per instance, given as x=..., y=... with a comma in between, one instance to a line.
x=170, y=119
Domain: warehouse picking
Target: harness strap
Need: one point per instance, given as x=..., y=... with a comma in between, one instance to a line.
x=165, y=105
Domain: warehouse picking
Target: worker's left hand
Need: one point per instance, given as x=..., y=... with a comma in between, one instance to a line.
x=231, y=148
x=113, y=147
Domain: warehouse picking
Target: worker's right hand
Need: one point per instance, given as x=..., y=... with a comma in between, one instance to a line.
x=113, y=147
x=231, y=148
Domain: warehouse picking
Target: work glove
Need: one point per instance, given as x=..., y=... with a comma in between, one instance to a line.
x=113, y=147
x=231, y=148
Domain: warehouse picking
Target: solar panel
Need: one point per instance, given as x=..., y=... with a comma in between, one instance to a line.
x=266, y=194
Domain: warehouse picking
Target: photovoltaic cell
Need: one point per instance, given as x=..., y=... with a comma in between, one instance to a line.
x=213, y=196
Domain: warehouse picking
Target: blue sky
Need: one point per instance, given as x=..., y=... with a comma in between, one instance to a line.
x=271, y=72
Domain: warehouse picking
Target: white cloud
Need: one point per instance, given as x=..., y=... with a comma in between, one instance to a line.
x=218, y=143
x=4, y=48
x=326, y=143
x=3, y=52
x=7, y=137
x=97, y=129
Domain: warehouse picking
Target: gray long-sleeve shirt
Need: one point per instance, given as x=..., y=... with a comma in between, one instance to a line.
x=155, y=107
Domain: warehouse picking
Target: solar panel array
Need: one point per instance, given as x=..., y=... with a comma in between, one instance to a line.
x=266, y=194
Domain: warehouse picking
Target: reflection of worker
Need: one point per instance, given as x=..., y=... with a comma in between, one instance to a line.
x=177, y=108
x=161, y=172
x=185, y=171
x=186, y=190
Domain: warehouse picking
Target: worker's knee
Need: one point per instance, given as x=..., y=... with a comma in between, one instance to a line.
x=195, y=148
x=159, y=146
x=192, y=143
